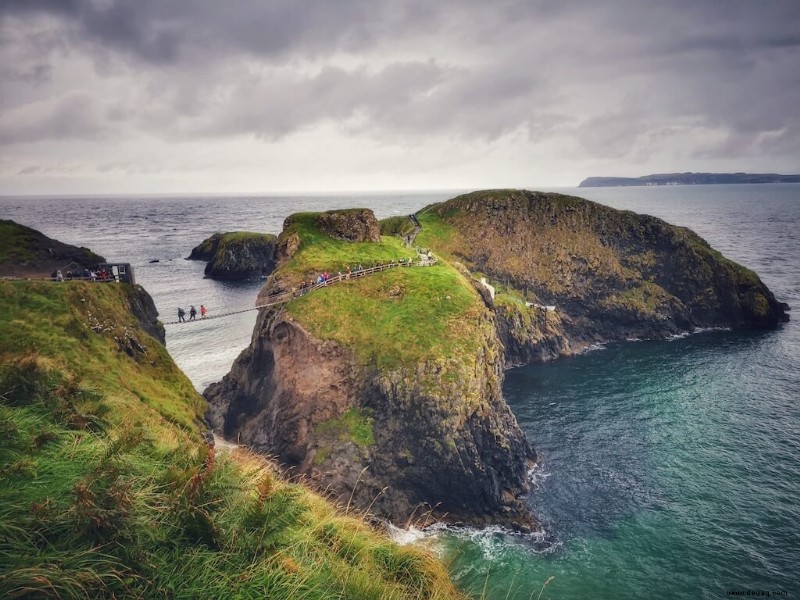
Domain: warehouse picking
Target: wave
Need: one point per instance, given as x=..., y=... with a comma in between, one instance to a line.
x=698, y=330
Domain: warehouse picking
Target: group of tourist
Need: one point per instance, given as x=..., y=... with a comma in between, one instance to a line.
x=192, y=313
x=354, y=271
x=86, y=275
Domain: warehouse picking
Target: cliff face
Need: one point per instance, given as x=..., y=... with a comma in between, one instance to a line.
x=144, y=309
x=237, y=255
x=385, y=391
x=402, y=442
x=611, y=274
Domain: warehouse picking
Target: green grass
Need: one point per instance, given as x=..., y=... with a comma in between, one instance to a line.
x=84, y=328
x=438, y=234
x=16, y=241
x=399, y=317
x=240, y=236
x=353, y=425
x=319, y=252
x=108, y=491
x=397, y=226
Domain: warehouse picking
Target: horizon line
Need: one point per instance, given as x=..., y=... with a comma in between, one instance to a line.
x=379, y=192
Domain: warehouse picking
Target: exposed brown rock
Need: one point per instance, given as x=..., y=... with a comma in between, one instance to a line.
x=353, y=225
x=429, y=454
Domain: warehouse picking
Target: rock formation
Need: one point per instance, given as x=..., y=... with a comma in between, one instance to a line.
x=353, y=225
x=385, y=390
x=380, y=423
x=237, y=255
x=612, y=275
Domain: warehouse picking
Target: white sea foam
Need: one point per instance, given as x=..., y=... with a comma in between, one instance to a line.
x=593, y=348
x=537, y=476
x=683, y=334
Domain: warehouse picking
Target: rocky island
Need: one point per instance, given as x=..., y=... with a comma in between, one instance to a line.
x=386, y=391
x=237, y=255
x=608, y=275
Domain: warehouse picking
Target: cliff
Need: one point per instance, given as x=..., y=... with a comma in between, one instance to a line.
x=383, y=390
x=108, y=489
x=25, y=252
x=237, y=255
x=612, y=275
x=689, y=179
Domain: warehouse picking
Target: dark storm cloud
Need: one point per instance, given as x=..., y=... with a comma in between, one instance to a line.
x=161, y=31
x=625, y=79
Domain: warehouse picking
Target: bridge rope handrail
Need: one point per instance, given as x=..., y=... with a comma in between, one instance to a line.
x=286, y=296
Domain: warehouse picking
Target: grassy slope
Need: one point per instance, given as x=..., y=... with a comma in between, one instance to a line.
x=107, y=490
x=398, y=318
x=550, y=249
x=15, y=241
x=21, y=245
x=319, y=252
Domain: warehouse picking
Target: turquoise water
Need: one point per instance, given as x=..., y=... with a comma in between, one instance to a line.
x=668, y=470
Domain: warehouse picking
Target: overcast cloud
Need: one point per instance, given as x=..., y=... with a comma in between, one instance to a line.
x=128, y=96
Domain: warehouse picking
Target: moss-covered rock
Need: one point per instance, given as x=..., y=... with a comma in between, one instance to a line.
x=611, y=274
x=386, y=390
x=353, y=225
x=237, y=255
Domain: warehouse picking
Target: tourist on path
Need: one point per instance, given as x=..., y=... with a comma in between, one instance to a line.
x=192, y=313
x=181, y=316
x=203, y=311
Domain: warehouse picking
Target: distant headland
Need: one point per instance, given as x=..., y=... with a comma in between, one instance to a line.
x=689, y=179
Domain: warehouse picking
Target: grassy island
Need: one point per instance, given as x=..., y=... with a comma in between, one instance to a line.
x=401, y=317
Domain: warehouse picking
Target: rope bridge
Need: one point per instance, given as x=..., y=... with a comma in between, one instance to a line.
x=284, y=297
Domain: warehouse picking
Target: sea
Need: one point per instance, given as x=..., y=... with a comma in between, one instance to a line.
x=667, y=469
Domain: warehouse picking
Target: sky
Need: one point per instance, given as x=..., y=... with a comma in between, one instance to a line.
x=263, y=96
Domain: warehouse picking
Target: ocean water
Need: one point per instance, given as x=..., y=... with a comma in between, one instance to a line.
x=667, y=469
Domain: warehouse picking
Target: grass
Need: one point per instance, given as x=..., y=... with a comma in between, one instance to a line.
x=400, y=226
x=84, y=328
x=426, y=325
x=108, y=491
x=353, y=425
x=438, y=234
x=319, y=252
x=16, y=241
x=645, y=298
x=399, y=317
x=240, y=236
